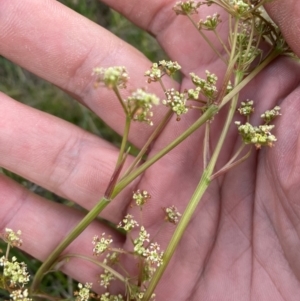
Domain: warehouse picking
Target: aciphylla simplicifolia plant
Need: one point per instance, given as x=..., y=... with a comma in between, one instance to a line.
x=252, y=41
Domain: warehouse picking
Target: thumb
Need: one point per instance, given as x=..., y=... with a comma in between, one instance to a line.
x=286, y=14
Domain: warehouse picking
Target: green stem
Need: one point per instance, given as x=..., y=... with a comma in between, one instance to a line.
x=206, y=145
x=117, y=92
x=7, y=251
x=211, y=111
x=194, y=201
x=186, y=216
x=152, y=137
x=233, y=43
x=274, y=54
x=162, y=84
x=124, y=140
x=98, y=263
x=244, y=63
x=207, y=40
x=221, y=42
x=82, y=225
x=231, y=163
x=46, y=297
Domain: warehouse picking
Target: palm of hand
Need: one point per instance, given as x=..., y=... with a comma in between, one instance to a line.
x=242, y=240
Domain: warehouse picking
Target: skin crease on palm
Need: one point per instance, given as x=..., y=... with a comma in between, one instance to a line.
x=242, y=242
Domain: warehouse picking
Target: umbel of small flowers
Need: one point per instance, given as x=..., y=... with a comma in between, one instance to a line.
x=269, y=115
x=138, y=105
x=176, y=101
x=258, y=135
x=12, y=237
x=15, y=274
x=141, y=197
x=246, y=108
x=128, y=223
x=186, y=7
x=20, y=295
x=84, y=293
x=158, y=70
x=112, y=77
x=14, y=271
x=210, y=23
x=101, y=244
x=206, y=87
x=172, y=214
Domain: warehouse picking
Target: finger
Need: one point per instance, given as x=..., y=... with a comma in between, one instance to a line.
x=56, y=155
x=286, y=15
x=63, y=47
x=176, y=34
x=45, y=224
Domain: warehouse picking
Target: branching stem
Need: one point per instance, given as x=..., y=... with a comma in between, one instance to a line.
x=194, y=201
x=75, y=232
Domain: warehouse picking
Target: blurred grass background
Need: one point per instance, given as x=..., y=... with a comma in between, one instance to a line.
x=35, y=92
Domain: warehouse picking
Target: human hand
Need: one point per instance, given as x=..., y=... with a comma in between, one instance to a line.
x=243, y=240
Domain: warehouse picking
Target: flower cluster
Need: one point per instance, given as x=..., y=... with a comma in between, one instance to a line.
x=172, y=215
x=241, y=7
x=210, y=23
x=207, y=87
x=153, y=254
x=112, y=77
x=246, y=108
x=154, y=74
x=101, y=244
x=139, y=243
x=257, y=135
x=20, y=295
x=128, y=223
x=106, y=278
x=12, y=237
x=141, y=197
x=14, y=275
x=169, y=67
x=139, y=105
x=176, y=101
x=269, y=115
x=193, y=94
x=84, y=292
x=14, y=271
x=186, y=8
x=158, y=70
